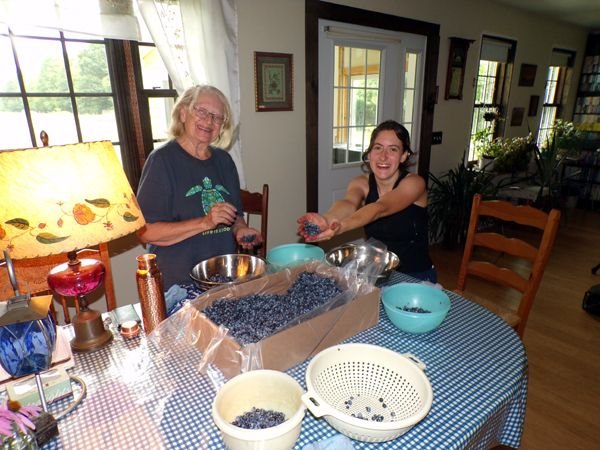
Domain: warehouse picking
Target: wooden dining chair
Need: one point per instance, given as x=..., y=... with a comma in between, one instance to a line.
x=32, y=276
x=257, y=204
x=501, y=249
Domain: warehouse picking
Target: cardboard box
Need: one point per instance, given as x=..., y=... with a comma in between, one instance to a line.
x=292, y=345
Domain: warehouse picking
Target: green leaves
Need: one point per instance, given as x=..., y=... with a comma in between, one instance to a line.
x=49, y=238
x=449, y=201
x=20, y=223
x=98, y=202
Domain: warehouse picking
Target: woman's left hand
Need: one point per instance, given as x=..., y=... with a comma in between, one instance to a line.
x=248, y=238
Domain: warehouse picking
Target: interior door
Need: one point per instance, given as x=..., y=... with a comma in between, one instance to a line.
x=366, y=76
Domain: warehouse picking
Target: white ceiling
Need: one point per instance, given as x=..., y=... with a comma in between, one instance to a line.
x=585, y=13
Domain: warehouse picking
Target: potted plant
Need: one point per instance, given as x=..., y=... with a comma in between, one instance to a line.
x=450, y=197
x=563, y=142
x=510, y=155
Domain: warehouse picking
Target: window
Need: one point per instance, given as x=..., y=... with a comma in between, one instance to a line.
x=491, y=91
x=78, y=89
x=357, y=73
x=555, y=93
x=356, y=101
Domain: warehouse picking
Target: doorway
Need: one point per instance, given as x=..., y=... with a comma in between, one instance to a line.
x=317, y=11
x=366, y=76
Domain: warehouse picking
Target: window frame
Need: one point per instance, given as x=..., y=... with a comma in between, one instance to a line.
x=130, y=99
x=502, y=77
x=559, y=98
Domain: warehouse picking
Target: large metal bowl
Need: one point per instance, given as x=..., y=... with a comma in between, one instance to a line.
x=365, y=257
x=228, y=269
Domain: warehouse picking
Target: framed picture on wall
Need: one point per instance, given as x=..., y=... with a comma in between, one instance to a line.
x=516, y=118
x=273, y=81
x=527, y=75
x=534, y=101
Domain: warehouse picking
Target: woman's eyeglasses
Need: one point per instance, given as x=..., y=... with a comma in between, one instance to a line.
x=203, y=114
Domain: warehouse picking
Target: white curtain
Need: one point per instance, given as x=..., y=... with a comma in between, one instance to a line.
x=113, y=19
x=198, y=42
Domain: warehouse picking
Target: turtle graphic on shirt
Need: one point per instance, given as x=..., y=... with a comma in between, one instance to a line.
x=210, y=195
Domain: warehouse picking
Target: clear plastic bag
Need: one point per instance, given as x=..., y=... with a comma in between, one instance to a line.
x=222, y=357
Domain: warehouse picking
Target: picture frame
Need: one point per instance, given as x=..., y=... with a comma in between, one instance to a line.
x=457, y=61
x=516, y=118
x=273, y=81
x=534, y=102
x=527, y=74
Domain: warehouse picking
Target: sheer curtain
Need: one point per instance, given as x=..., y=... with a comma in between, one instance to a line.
x=198, y=42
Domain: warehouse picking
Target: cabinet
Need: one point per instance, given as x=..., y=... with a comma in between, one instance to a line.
x=583, y=178
x=587, y=105
x=584, y=174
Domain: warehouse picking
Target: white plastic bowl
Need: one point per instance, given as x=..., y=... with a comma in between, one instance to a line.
x=267, y=389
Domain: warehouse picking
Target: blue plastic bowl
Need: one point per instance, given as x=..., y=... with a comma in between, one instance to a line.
x=401, y=296
x=290, y=255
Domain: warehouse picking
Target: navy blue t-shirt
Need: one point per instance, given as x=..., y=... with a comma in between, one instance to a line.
x=175, y=186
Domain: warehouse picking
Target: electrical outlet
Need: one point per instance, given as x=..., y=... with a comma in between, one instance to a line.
x=436, y=138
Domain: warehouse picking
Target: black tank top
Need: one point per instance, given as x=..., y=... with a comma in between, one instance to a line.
x=406, y=233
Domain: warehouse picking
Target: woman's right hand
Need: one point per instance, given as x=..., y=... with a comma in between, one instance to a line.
x=314, y=227
x=222, y=214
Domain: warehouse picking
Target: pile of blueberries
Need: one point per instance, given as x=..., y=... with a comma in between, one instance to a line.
x=257, y=316
x=218, y=278
x=374, y=417
x=258, y=418
x=415, y=309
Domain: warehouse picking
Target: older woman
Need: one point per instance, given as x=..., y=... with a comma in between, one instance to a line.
x=189, y=190
x=389, y=202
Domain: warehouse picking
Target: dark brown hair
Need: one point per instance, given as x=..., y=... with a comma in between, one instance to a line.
x=401, y=133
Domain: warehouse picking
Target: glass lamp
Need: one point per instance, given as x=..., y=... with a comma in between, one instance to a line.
x=60, y=199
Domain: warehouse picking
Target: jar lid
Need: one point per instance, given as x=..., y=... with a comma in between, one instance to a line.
x=130, y=329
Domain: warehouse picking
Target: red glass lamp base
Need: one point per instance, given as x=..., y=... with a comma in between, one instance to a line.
x=77, y=278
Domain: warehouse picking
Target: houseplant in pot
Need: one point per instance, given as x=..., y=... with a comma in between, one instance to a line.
x=509, y=155
x=563, y=142
x=449, y=201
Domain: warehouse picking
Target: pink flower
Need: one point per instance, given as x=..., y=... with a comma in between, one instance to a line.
x=12, y=413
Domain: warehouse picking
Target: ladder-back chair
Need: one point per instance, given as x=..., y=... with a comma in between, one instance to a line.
x=257, y=204
x=508, y=261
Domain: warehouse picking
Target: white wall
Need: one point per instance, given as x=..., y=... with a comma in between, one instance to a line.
x=274, y=143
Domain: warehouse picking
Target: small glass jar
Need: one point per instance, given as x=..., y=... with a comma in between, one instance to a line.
x=19, y=440
x=151, y=291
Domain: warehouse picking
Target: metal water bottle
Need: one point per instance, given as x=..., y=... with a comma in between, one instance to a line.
x=151, y=291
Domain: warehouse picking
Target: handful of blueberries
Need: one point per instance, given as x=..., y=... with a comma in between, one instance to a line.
x=258, y=418
x=248, y=238
x=312, y=229
x=254, y=317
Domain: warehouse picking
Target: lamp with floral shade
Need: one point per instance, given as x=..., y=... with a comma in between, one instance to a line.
x=57, y=200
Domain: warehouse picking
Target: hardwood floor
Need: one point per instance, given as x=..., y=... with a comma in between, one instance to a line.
x=562, y=340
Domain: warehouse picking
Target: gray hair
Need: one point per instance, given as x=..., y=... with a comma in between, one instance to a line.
x=187, y=101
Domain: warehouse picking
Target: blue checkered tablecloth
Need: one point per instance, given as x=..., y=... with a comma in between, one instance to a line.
x=140, y=399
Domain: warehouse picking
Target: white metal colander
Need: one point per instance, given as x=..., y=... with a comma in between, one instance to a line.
x=367, y=392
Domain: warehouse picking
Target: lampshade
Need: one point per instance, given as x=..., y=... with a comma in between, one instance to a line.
x=60, y=199
x=63, y=198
